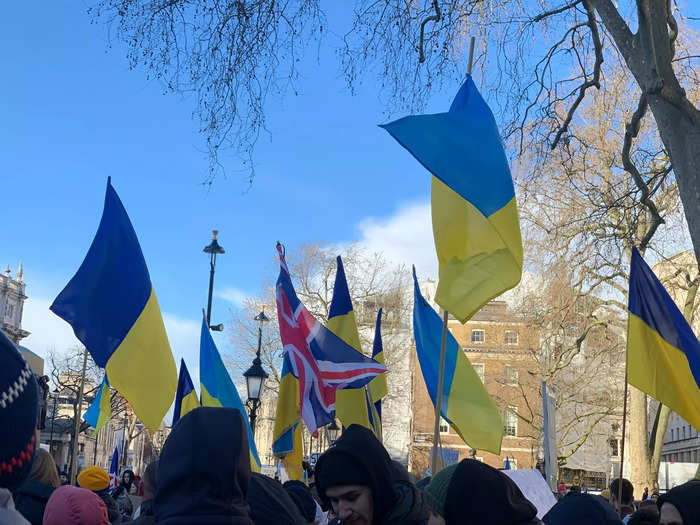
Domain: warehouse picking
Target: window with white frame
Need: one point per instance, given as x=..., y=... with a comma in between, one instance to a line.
x=510, y=337
x=479, y=368
x=510, y=421
x=511, y=375
x=444, y=426
x=478, y=336
x=512, y=462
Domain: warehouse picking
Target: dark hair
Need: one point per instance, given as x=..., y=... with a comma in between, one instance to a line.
x=647, y=515
x=627, y=490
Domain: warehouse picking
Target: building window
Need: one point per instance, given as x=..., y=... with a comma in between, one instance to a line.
x=614, y=447
x=511, y=375
x=478, y=336
x=513, y=463
x=9, y=310
x=510, y=337
x=695, y=456
x=444, y=426
x=510, y=421
x=683, y=431
x=479, y=368
x=672, y=435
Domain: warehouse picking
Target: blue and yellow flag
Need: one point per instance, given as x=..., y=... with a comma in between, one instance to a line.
x=286, y=435
x=352, y=406
x=475, y=217
x=186, y=396
x=218, y=389
x=663, y=354
x=99, y=412
x=378, y=387
x=112, y=307
x=465, y=405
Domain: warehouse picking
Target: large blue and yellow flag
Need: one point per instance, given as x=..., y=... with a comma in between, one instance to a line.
x=663, y=354
x=475, y=217
x=286, y=435
x=352, y=406
x=99, y=412
x=466, y=405
x=112, y=307
x=218, y=389
x=378, y=387
x=186, y=396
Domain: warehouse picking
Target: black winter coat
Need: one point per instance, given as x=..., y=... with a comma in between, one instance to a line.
x=30, y=500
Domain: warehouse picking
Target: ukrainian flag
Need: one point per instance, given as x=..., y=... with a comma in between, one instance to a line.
x=112, y=307
x=286, y=435
x=465, y=404
x=475, y=217
x=663, y=354
x=352, y=406
x=378, y=387
x=99, y=412
x=186, y=396
x=218, y=389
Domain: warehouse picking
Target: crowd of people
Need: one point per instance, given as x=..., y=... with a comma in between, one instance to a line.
x=203, y=476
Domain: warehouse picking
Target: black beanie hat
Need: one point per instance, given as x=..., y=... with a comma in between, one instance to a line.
x=686, y=498
x=19, y=404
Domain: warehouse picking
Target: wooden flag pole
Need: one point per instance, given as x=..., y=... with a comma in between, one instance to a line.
x=434, y=465
x=78, y=414
x=622, y=448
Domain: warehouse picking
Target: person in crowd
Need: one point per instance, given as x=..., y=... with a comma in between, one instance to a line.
x=149, y=483
x=356, y=477
x=576, y=486
x=582, y=509
x=75, y=506
x=627, y=505
x=645, y=515
x=271, y=504
x=18, y=418
x=645, y=495
x=472, y=488
x=97, y=480
x=561, y=490
x=680, y=505
x=204, y=470
x=31, y=497
x=121, y=495
x=301, y=495
x=63, y=478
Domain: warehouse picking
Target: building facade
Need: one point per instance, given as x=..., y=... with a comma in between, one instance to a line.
x=12, y=298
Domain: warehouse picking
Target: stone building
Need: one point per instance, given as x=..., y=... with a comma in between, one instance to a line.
x=499, y=346
x=12, y=298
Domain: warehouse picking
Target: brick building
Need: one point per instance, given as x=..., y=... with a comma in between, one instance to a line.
x=501, y=349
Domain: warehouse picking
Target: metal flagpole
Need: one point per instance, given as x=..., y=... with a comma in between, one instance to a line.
x=622, y=447
x=434, y=465
x=78, y=410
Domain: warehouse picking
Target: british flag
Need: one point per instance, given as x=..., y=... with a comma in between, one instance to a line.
x=320, y=360
x=114, y=469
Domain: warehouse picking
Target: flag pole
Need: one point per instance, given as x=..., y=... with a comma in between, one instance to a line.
x=434, y=465
x=471, y=56
x=76, y=429
x=622, y=447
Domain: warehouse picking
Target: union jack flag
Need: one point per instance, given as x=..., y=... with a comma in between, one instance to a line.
x=321, y=361
x=114, y=469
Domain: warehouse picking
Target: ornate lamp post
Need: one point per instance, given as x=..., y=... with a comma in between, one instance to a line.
x=213, y=249
x=332, y=431
x=255, y=376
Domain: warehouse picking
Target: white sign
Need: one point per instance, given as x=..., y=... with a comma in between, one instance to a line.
x=534, y=488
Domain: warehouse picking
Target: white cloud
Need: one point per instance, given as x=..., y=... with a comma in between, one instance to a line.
x=233, y=295
x=48, y=331
x=183, y=335
x=404, y=237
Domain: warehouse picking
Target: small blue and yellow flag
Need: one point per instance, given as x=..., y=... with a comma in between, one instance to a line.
x=465, y=405
x=186, y=396
x=112, y=307
x=378, y=387
x=99, y=412
x=663, y=354
x=286, y=435
x=352, y=405
x=475, y=217
x=218, y=389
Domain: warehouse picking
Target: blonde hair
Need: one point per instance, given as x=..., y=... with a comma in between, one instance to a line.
x=44, y=469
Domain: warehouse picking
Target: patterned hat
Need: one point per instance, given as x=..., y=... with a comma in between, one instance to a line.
x=19, y=404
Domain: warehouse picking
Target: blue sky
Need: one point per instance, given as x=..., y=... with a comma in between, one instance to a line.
x=73, y=113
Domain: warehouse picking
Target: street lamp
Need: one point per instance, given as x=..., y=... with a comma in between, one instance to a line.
x=213, y=249
x=54, y=396
x=255, y=376
x=332, y=430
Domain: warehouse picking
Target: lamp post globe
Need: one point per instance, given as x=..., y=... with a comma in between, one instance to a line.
x=256, y=375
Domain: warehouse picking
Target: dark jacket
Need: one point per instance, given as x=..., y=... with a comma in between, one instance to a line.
x=114, y=512
x=390, y=500
x=582, y=509
x=270, y=504
x=686, y=498
x=146, y=516
x=30, y=500
x=204, y=470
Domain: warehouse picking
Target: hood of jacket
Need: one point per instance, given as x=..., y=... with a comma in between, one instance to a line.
x=31, y=498
x=686, y=498
x=270, y=504
x=581, y=509
x=204, y=470
x=364, y=449
x=409, y=508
